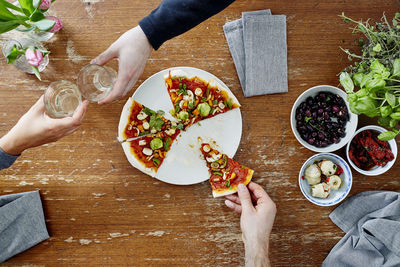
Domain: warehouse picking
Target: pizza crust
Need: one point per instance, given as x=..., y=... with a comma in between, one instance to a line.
x=123, y=121
x=214, y=83
x=229, y=191
x=135, y=162
x=178, y=73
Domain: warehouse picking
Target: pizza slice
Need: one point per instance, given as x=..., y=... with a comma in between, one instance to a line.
x=194, y=99
x=143, y=120
x=149, y=151
x=225, y=173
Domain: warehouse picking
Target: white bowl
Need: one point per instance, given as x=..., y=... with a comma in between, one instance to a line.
x=377, y=170
x=336, y=196
x=351, y=125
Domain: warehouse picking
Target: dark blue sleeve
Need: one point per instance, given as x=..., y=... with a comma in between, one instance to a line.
x=6, y=160
x=174, y=17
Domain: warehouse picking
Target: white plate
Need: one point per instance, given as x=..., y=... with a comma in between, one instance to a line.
x=183, y=164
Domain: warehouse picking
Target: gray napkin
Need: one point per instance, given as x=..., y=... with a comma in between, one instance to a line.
x=266, y=54
x=22, y=223
x=371, y=221
x=234, y=35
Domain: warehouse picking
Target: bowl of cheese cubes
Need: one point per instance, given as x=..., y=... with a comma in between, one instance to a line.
x=325, y=179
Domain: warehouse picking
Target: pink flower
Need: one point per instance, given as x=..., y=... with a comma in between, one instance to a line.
x=45, y=4
x=58, y=26
x=34, y=57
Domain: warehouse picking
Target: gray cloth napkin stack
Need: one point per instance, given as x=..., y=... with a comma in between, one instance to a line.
x=371, y=221
x=257, y=43
x=22, y=223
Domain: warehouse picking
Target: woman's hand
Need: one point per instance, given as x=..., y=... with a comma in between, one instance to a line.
x=35, y=128
x=132, y=50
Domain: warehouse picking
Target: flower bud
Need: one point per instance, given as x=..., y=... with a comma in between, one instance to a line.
x=58, y=26
x=45, y=4
x=34, y=57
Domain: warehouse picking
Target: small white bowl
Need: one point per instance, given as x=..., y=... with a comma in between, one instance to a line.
x=377, y=170
x=336, y=196
x=351, y=125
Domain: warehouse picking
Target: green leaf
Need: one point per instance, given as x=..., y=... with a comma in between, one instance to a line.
x=45, y=24
x=167, y=144
x=362, y=92
x=5, y=14
x=380, y=69
x=10, y=6
x=346, y=82
x=156, y=162
x=37, y=16
x=377, y=48
x=390, y=98
x=36, y=3
x=375, y=84
x=36, y=72
x=6, y=26
x=357, y=78
x=148, y=111
x=385, y=111
x=27, y=6
x=156, y=122
x=386, y=136
x=160, y=112
x=365, y=105
x=385, y=122
x=396, y=67
x=395, y=115
x=14, y=54
x=392, y=123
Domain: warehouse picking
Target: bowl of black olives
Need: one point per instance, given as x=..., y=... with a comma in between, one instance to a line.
x=321, y=119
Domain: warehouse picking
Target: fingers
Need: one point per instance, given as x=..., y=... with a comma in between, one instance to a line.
x=104, y=57
x=233, y=206
x=259, y=193
x=80, y=112
x=234, y=198
x=245, y=198
x=120, y=87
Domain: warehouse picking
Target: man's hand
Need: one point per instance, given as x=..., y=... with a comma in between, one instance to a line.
x=35, y=128
x=132, y=50
x=257, y=218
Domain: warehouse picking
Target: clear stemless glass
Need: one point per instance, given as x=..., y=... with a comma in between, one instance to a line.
x=62, y=98
x=95, y=82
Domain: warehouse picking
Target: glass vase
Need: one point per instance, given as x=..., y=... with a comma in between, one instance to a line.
x=21, y=63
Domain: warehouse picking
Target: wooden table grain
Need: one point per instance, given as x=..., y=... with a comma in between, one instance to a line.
x=100, y=211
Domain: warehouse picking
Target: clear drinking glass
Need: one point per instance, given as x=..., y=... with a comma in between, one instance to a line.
x=62, y=98
x=95, y=82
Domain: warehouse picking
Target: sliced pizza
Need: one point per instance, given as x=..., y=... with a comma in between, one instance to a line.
x=194, y=99
x=143, y=120
x=149, y=151
x=225, y=173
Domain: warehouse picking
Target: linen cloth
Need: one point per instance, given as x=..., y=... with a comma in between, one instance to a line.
x=22, y=223
x=371, y=221
x=6, y=160
x=234, y=36
x=266, y=54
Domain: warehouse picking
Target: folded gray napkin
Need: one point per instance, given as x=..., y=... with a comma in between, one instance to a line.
x=22, y=223
x=234, y=35
x=371, y=221
x=258, y=46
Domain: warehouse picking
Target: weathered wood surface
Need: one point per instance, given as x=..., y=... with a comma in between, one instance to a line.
x=102, y=212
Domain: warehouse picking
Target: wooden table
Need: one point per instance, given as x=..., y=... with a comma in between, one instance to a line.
x=100, y=211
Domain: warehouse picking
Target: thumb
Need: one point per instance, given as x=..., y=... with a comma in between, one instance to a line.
x=104, y=57
x=245, y=198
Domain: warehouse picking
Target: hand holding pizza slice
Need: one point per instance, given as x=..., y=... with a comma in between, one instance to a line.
x=225, y=173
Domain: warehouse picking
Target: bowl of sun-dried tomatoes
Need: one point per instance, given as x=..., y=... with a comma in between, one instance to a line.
x=367, y=154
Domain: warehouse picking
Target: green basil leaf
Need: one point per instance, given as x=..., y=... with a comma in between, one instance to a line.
x=346, y=82
x=377, y=48
x=167, y=144
x=386, y=136
x=362, y=92
x=385, y=122
x=156, y=162
x=380, y=69
x=390, y=98
x=396, y=67
x=392, y=123
x=160, y=112
x=385, y=111
x=357, y=78
x=395, y=115
x=375, y=84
